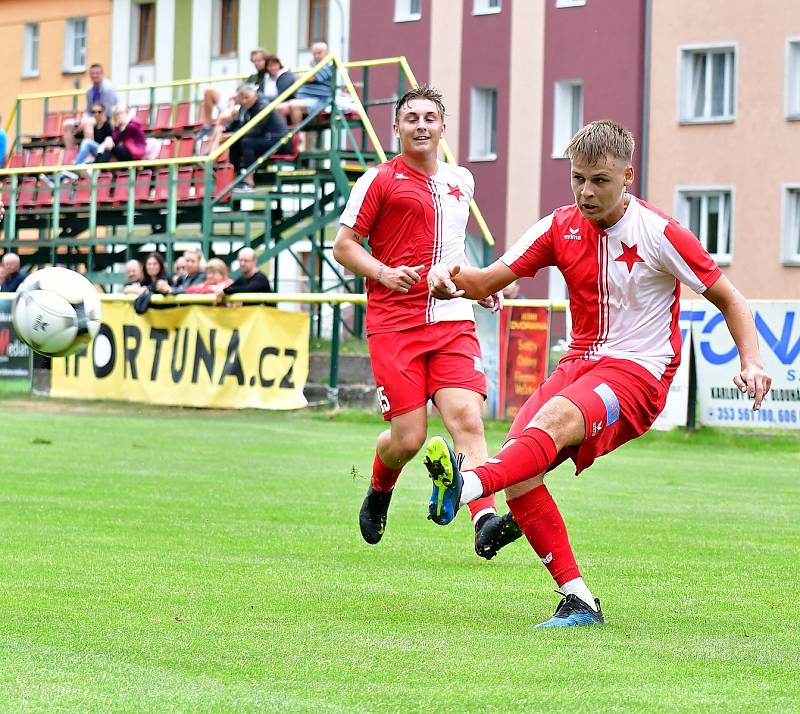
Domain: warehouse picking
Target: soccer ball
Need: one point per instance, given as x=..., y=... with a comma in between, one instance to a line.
x=56, y=311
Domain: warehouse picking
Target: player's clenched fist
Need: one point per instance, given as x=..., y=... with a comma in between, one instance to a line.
x=440, y=281
x=399, y=279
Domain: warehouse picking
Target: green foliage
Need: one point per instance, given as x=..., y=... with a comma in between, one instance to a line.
x=174, y=560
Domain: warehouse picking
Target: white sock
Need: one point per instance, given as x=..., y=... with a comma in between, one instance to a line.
x=483, y=512
x=473, y=488
x=576, y=586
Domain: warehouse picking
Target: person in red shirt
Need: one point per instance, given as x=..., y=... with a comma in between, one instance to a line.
x=623, y=261
x=413, y=210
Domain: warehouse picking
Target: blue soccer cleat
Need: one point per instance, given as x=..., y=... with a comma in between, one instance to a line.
x=444, y=469
x=574, y=612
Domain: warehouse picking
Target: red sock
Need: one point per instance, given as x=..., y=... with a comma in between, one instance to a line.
x=530, y=455
x=541, y=522
x=480, y=504
x=383, y=478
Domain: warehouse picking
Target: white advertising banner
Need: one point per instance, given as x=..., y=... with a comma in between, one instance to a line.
x=720, y=403
x=676, y=410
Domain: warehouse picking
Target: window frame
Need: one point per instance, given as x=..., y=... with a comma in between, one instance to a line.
x=570, y=3
x=137, y=56
x=30, y=50
x=790, y=225
x=69, y=66
x=311, y=37
x=403, y=11
x=219, y=26
x=685, y=83
x=560, y=139
x=482, y=7
x=792, y=87
x=482, y=134
x=682, y=213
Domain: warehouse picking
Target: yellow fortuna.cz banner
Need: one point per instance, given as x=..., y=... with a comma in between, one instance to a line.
x=197, y=355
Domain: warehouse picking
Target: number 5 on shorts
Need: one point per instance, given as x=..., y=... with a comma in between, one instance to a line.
x=383, y=400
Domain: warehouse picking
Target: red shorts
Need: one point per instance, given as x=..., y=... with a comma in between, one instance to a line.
x=410, y=365
x=619, y=400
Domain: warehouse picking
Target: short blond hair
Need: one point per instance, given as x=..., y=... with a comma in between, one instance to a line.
x=215, y=265
x=599, y=139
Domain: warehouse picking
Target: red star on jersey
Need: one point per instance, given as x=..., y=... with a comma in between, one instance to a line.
x=629, y=256
x=454, y=191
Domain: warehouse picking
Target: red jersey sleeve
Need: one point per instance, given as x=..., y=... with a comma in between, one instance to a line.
x=683, y=256
x=365, y=202
x=533, y=251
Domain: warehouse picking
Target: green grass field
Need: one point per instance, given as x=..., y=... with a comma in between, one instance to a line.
x=174, y=560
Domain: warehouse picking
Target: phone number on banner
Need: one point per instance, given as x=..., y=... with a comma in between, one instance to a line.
x=766, y=415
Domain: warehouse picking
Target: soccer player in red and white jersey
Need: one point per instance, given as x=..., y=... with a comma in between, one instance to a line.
x=414, y=210
x=623, y=261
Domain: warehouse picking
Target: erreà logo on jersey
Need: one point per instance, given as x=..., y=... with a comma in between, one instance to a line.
x=572, y=235
x=401, y=176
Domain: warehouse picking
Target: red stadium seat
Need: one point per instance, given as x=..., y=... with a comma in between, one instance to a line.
x=163, y=120
x=52, y=125
x=82, y=195
x=69, y=155
x=199, y=182
x=184, y=187
x=144, y=178
x=16, y=161
x=52, y=156
x=292, y=150
x=223, y=176
x=26, y=196
x=183, y=113
x=143, y=115
x=121, y=184
x=44, y=193
x=167, y=150
x=105, y=187
x=185, y=146
x=161, y=186
x=33, y=157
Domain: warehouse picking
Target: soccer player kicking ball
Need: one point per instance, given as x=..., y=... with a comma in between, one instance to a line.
x=414, y=209
x=623, y=261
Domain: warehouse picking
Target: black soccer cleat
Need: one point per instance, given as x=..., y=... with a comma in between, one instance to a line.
x=372, y=516
x=572, y=612
x=493, y=532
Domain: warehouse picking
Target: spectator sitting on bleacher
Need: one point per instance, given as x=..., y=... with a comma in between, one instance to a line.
x=13, y=273
x=127, y=141
x=314, y=92
x=250, y=280
x=226, y=109
x=155, y=269
x=180, y=271
x=194, y=274
x=133, y=278
x=280, y=79
x=259, y=138
x=101, y=91
x=216, y=275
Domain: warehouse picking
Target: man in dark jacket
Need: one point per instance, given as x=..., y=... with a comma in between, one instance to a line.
x=260, y=137
x=194, y=275
x=13, y=276
x=250, y=280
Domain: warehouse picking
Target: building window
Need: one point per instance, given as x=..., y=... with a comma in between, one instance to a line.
x=406, y=10
x=75, y=44
x=317, y=21
x=226, y=28
x=30, y=50
x=570, y=3
x=793, y=80
x=708, y=215
x=483, y=124
x=708, y=84
x=567, y=114
x=144, y=33
x=790, y=253
x=485, y=7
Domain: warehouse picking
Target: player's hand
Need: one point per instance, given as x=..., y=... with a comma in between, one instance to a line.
x=755, y=383
x=440, y=282
x=399, y=279
x=493, y=302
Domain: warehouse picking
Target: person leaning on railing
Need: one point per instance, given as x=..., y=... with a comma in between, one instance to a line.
x=194, y=274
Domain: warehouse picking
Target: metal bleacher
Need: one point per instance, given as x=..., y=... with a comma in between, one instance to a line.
x=115, y=211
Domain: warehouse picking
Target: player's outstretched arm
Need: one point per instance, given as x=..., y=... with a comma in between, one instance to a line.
x=752, y=379
x=349, y=252
x=445, y=282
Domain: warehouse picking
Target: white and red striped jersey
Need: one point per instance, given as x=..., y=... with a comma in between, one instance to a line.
x=411, y=219
x=623, y=282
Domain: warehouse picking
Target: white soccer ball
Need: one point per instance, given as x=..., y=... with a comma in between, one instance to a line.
x=56, y=311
